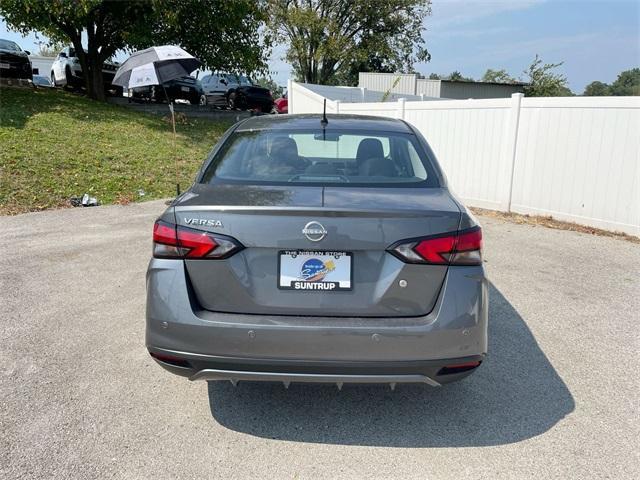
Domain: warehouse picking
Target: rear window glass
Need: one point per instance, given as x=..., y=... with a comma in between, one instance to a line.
x=317, y=157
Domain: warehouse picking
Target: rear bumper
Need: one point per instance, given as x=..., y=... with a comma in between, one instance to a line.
x=206, y=367
x=218, y=346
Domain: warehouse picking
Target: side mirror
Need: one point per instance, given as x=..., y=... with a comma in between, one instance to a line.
x=63, y=55
x=27, y=52
x=224, y=82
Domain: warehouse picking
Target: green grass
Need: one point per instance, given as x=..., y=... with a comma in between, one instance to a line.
x=55, y=145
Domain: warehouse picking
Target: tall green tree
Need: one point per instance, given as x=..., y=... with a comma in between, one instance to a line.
x=331, y=39
x=106, y=25
x=222, y=33
x=597, y=89
x=544, y=81
x=226, y=35
x=497, y=76
x=627, y=83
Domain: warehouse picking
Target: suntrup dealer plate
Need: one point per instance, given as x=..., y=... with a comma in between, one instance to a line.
x=314, y=270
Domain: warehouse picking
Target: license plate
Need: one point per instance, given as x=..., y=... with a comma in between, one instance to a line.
x=314, y=271
x=184, y=89
x=5, y=65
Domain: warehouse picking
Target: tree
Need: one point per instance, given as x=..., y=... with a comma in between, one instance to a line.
x=627, y=83
x=544, y=82
x=224, y=34
x=269, y=83
x=497, y=76
x=330, y=39
x=105, y=23
x=49, y=50
x=597, y=89
x=219, y=32
x=434, y=76
x=456, y=76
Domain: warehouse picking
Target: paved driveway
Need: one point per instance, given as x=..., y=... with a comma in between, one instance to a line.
x=80, y=398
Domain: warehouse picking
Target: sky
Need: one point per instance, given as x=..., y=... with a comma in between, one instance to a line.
x=596, y=39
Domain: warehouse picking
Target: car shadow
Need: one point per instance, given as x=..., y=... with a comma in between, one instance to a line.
x=515, y=395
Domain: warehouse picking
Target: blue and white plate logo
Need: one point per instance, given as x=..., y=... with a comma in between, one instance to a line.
x=314, y=270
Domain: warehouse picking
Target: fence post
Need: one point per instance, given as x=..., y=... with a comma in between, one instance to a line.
x=512, y=149
x=290, y=95
x=337, y=104
x=401, y=102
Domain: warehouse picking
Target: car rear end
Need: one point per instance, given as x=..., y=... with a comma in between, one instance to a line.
x=257, y=98
x=323, y=264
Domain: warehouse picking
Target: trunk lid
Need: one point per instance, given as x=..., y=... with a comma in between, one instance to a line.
x=361, y=221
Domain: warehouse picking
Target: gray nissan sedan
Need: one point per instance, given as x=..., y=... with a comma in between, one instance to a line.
x=318, y=249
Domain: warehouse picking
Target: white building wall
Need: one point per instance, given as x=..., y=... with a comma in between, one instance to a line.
x=383, y=82
x=430, y=88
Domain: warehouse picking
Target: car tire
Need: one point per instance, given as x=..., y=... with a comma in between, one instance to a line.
x=68, y=85
x=203, y=100
x=232, y=101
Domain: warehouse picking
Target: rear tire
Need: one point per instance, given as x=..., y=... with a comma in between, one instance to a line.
x=68, y=79
x=232, y=101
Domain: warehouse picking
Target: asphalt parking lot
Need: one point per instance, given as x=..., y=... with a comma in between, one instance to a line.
x=81, y=398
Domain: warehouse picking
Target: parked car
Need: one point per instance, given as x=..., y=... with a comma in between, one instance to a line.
x=41, y=81
x=14, y=62
x=66, y=71
x=318, y=251
x=282, y=104
x=236, y=91
x=185, y=88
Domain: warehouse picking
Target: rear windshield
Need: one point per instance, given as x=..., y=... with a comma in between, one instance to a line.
x=315, y=157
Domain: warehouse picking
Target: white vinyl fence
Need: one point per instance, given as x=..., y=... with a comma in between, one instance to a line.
x=574, y=158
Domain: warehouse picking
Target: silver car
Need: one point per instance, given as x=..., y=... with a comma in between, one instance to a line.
x=315, y=249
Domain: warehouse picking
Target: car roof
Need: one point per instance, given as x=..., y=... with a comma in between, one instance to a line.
x=306, y=121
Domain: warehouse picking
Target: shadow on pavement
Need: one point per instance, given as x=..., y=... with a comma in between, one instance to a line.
x=516, y=394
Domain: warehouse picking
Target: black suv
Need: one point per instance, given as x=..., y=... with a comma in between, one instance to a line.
x=14, y=62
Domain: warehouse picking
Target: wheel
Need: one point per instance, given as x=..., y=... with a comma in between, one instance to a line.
x=203, y=100
x=68, y=79
x=231, y=101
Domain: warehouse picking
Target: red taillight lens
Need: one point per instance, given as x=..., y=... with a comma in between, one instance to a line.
x=197, y=244
x=459, y=248
x=170, y=241
x=436, y=250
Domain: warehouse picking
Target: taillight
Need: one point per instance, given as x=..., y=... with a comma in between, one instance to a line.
x=456, y=248
x=175, y=241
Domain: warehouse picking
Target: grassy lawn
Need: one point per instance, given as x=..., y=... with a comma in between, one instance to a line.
x=55, y=145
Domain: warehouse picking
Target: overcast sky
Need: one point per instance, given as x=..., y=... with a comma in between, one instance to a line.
x=596, y=39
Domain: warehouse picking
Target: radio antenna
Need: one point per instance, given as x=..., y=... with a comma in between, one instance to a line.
x=324, y=120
